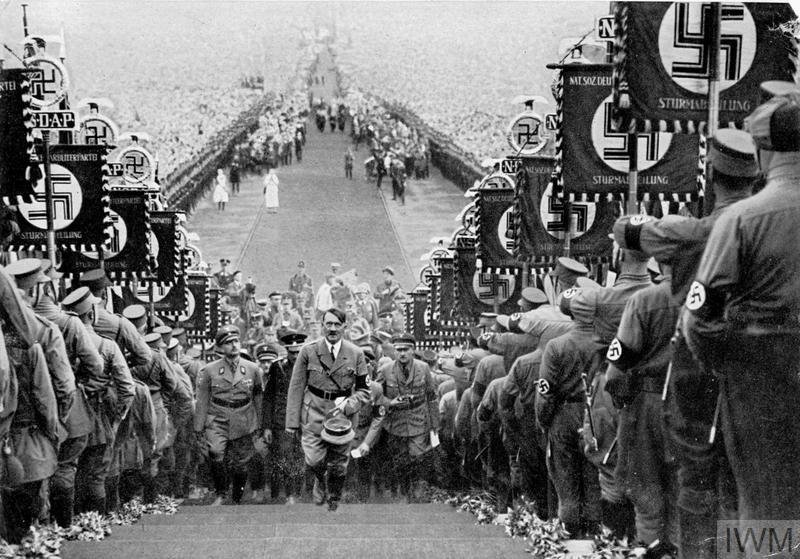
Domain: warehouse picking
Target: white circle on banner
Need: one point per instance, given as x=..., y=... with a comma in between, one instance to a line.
x=191, y=304
x=685, y=55
x=67, y=199
x=486, y=286
x=53, y=84
x=119, y=237
x=97, y=130
x=153, y=242
x=612, y=147
x=138, y=165
x=551, y=213
x=525, y=134
x=506, y=222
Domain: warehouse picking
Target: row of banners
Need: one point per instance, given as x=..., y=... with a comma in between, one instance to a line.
x=655, y=93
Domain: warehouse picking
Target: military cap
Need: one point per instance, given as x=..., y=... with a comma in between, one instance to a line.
x=775, y=125
x=404, y=340
x=165, y=332
x=94, y=279
x=388, y=269
x=335, y=265
x=79, y=301
x=733, y=153
x=780, y=88
x=48, y=272
x=293, y=341
x=568, y=268
x=227, y=334
x=262, y=302
x=380, y=336
x=173, y=343
x=25, y=272
x=470, y=358
x=266, y=351
x=178, y=332
x=154, y=340
x=275, y=294
x=451, y=368
x=193, y=353
x=337, y=430
x=301, y=264
x=487, y=319
x=134, y=312
x=533, y=295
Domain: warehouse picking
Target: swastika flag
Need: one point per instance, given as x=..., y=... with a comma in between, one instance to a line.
x=663, y=53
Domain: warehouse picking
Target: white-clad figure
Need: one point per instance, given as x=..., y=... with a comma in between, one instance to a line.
x=221, y=190
x=271, y=191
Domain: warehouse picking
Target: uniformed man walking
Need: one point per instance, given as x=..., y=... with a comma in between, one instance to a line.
x=229, y=394
x=328, y=378
x=412, y=417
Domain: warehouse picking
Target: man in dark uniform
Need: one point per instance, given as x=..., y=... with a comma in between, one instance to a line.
x=109, y=402
x=115, y=327
x=222, y=276
x=388, y=291
x=229, y=397
x=286, y=464
x=744, y=321
x=560, y=404
x=692, y=393
x=300, y=281
x=638, y=358
x=510, y=345
x=329, y=377
x=412, y=416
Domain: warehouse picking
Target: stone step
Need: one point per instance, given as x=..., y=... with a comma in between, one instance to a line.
x=306, y=529
x=300, y=548
x=287, y=516
x=306, y=508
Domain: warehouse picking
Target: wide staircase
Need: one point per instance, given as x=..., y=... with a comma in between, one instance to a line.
x=303, y=530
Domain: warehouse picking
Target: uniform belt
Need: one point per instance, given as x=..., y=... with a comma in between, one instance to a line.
x=328, y=395
x=226, y=404
x=651, y=384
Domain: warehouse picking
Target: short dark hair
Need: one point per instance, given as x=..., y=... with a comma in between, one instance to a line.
x=338, y=313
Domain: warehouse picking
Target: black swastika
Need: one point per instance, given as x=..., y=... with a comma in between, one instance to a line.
x=559, y=225
x=620, y=153
x=730, y=45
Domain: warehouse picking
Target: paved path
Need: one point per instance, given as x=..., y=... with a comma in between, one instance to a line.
x=300, y=531
x=326, y=218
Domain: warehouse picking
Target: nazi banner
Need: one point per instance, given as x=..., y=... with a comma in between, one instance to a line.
x=477, y=291
x=495, y=225
x=16, y=141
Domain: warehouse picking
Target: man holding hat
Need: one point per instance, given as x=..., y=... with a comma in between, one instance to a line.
x=115, y=327
x=229, y=395
x=329, y=378
x=679, y=241
x=109, y=397
x=412, y=414
x=286, y=462
x=743, y=320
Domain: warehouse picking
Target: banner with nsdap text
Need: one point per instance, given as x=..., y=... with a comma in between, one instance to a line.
x=541, y=223
x=80, y=201
x=126, y=254
x=663, y=53
x=595, y=158
x=495, y=226
x=16, y=140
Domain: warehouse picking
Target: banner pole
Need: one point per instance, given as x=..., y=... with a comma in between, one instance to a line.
x=48, y=194
x=713, y=99
x=568, y=219
x=632, y=206
x=151, y=315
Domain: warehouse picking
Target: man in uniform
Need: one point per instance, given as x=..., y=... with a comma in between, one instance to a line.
x=286, y=469
x=115, y=327
x=137, y=316
x=223, y=277
x=388, y=291
x=743, y=322
x=288, y=320
x=509, y=345
x=532, y=297
x=692, y=393
x=638, y=358
x=560, y=404
x=329, y=377
x=109, y=401
x=229, y=396
x=300, y=281
x=412, y=415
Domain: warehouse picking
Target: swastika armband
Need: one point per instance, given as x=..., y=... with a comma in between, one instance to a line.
x=704, y=302
x=621, y=356
x=543, y=386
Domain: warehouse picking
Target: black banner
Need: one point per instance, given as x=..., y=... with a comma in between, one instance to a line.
x=495, y=226
x=169, y=299
x=663, y=52
x=80, y=205
x=418, y=313
x=196, y=317
x=477, y=292
x=16, y=140
x=541, y=221
x=164, y=254
x=594, y=157
x=127, y=255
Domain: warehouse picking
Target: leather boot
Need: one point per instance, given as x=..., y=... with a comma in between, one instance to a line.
x=320, y=487
x=61, y=505
x=219, y=478
x=239, y=480
x=335, y=485
x=112, y=493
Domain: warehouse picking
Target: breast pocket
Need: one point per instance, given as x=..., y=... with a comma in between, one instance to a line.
x=316, y=376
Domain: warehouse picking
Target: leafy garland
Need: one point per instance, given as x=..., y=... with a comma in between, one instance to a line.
x=545, y=539
x=44, y=541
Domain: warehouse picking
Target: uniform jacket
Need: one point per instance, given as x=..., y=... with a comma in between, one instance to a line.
x=387, y=293
x=222, y=381
x=55, y=353
x=113, y=399
x=276, y=388
x=422, y=413
x=120, y=330
x=136, y=435
x=545, y=323
x=315, y=367
x=162, y=380
x=511, y=346
x=297, y=282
